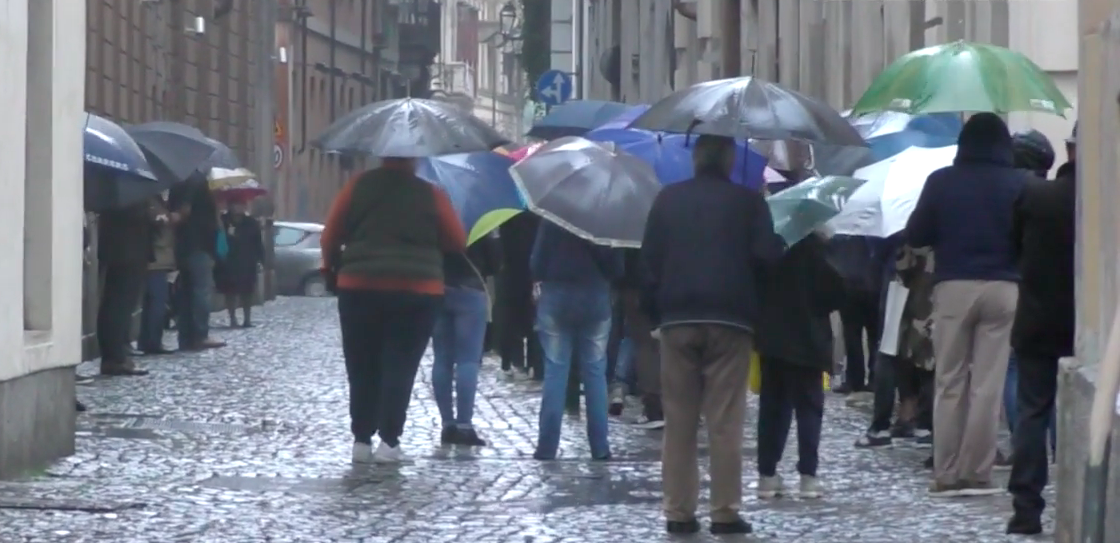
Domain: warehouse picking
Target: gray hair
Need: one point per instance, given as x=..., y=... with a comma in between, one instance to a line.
x=711, y=153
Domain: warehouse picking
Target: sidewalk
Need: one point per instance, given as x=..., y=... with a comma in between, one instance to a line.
x=251, y=443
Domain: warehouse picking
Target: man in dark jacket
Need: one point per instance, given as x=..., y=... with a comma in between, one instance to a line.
x=195, y=215
x=1044, y=234
x=574, y=323
x=124, y=252
x=704, y=242
x=794, y=340
x=965, y=214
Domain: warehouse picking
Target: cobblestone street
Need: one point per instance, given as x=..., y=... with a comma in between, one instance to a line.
x=251, y=443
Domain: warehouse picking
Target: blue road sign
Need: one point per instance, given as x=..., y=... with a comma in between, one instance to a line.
x=554, y=88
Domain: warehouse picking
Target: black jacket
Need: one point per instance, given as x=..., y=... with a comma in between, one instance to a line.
x=1044, y=234
x=964, y=211
x=797, y=294
x=483, y=259
x=124, y=236
x=704, y=241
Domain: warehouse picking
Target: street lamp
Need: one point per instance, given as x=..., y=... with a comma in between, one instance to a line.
x=507, y=19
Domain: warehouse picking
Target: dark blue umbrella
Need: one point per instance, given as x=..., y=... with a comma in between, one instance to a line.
x=479, y=186
x=175, y=151
x=223, y=156
x=625, y=118
x=116, y=173
x=671, y=155
x=576, y=118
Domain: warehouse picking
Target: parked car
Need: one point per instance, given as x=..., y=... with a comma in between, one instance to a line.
x=298, y=258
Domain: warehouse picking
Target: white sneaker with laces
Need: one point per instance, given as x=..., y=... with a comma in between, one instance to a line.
x=770, y=487
x=811, y=488
x=389, y=455
x=646, y=423
x=362, y=453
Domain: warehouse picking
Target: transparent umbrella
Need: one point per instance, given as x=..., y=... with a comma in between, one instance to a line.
x=800, y=209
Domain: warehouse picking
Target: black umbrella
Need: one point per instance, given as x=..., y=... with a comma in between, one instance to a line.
x=409, y=127
x=116, y=173
x=175, y=151
x=746, y=107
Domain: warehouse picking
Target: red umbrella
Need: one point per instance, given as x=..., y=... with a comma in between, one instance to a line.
x=241, y=192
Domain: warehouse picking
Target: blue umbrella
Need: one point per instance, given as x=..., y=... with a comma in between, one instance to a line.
x=479, y=186
x=671, y=155
x=116, y=172
x=889, y=133
x=575, y=118
x=624, y=119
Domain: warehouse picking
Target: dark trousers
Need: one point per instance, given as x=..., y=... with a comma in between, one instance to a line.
x=1038, y=387
x=518, y=344
x=647, y=356
x=789, y=390
x=153, y=317
x=196, y=286
x=884, y=387
x=124, y=285
x=384, y=335
x=860, y=313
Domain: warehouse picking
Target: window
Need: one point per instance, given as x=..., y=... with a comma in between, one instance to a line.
x=311, y=240
x=286, y=236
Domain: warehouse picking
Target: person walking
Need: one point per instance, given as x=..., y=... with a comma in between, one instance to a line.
x=195, y=215
x=459, y=335
x=383, y=247
x=794, y=341
x=965, y=214
x=157, y=288
x=236, y=274
x=704, y=243
x=124, y=253
x=860, y=312
x=518, y=345
x=1044, y=237
x=574, y=322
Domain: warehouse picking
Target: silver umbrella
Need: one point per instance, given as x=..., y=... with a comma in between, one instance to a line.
x=408, y=127
x=746, y=107
x=590, y=189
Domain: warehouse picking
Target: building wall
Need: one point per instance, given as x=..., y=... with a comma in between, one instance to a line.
x=40, y=321
x=143, y=66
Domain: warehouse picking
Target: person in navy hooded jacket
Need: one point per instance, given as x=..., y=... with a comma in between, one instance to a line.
x=965, y=214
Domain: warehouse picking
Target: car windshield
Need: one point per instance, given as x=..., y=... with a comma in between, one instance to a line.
x=286, y=236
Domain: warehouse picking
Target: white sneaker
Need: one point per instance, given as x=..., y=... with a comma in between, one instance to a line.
x=770, y=487
x=811, y=488
x=362, y=453
x=389, y=455
x=646, y=423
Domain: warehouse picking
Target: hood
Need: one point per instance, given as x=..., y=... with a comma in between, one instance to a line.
x=985, y=140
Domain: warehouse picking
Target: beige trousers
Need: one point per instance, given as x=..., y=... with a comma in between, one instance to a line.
x=704, y=371
x=971, y=343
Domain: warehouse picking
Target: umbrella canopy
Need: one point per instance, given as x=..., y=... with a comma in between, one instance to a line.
x=106, y=144
x=963, y=77
x=479, y=186
x=408, y=127
x=889, y=133
x=670, y=155
x=242, y=191
x=575, y=118
x=175, y=151
x=522, y=152
x=222, y=178
x=223, y=156
x=747, y=107
x=589, y=189
x=623, y=119
x=800, y=209
x=881, y=207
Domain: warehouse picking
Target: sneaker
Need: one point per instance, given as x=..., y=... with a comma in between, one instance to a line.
x=975, y=488
x=923, y=439
x=1003, y=462
x=811, y=488
x=770, y=487
x=646, y=423
x=940, y=490
x=1024, y=525
x=618, y=400
x=83, y=380
x=690, y=526
x=389, y=455
x=874, y=439
x=362, y=453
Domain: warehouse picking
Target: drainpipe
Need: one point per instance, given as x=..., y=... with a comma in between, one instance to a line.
x=334, y=45
x=362, y=56
x=303, y=14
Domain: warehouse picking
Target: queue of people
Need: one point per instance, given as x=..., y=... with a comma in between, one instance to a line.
x=986, y=258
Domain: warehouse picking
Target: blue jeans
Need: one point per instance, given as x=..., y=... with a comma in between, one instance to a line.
x=196, y=290
x=153, y=315
x=624, y=367
x=457, y=349
x=1011, y=404
x=574, y=321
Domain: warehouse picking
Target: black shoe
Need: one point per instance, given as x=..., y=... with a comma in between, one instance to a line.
x=682, y=527
x=872, y=440
x=739, y=526
x=928, y=463
x=79, y=406
x=156, y=351
x=1024, y=525
x=469, y=437
x=449, y=435
x=247, y=324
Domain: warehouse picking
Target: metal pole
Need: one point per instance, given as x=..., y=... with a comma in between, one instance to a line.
x=264, y=113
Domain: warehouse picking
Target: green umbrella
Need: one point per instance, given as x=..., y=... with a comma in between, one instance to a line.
x=964, y=77
x=800, y=209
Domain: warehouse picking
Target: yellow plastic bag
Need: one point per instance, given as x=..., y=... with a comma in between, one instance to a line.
x=754, y=379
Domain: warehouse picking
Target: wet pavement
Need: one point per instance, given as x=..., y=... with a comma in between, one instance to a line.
x=251, y=443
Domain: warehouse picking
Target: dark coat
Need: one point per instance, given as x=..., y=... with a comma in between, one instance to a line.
x=125, y=236
x=964, y=211
x=237, y=272
x=1044, y=234
x=704, y=241
x=482, y=259
x=797, y=294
